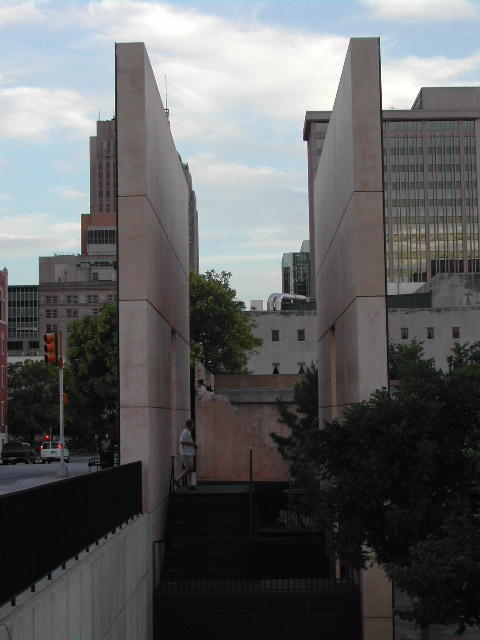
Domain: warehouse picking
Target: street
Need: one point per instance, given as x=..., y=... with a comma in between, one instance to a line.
x=24, y=476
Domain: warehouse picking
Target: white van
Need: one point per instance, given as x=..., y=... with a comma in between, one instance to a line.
x=52, y=451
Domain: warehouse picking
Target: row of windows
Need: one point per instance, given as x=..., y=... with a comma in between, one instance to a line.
x=430, y=333
x=101, y=236
x=430, y=125
x=17, y=345
x=276, y=335
x=73, y=299
x=441, y=202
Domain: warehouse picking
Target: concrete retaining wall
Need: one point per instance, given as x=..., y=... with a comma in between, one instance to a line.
x=105, y=595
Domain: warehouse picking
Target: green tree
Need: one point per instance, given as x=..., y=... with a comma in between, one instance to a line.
x=33, y=399
x=397, y=482
x=301, y=447
x=221, y=335
x=91, y=374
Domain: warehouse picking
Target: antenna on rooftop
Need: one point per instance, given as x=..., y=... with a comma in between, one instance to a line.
x=167, y=110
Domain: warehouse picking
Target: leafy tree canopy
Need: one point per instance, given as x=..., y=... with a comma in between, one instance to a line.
x=397, y=481
x=301, y=447
x=221, y=335
x=33, y=399
x=91, y=374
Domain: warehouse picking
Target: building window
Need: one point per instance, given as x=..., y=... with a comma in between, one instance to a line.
x=275, y=336
x=48, y=299
x=69, y=313
x=54, y=313
x=55, y=299
x=276, y=367
x=49, y=313
x=75, y=313
x=3, y=376
x=3, y=344
x=69, y=299
x=404, y=333
x=301, y=335
x=49, y=328
x=95, y=275
x=456, y=333
x=430, y=333
x=74, y=299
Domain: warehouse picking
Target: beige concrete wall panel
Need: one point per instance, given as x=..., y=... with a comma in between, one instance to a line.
x=324, y=380
x=361, y=350
x=153, y=277
x=354, y=265
x=148, y=160
x=372, y=345
x=161, y=279
x=144, y=347
x=146, y=435
x=347, y=358
x=350, y=266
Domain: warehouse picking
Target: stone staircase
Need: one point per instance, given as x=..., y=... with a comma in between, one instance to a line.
x=221, y=581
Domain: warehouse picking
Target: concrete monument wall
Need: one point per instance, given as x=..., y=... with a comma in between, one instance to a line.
x=350, y=268
x=153, y=276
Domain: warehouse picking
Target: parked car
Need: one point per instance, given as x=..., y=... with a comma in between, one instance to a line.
x=51, y=451
x=14, y=452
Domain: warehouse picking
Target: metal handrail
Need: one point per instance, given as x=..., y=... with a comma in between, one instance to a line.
x=161, y=541
x=92, y=506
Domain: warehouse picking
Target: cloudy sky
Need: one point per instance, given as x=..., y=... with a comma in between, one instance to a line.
x=240, y=77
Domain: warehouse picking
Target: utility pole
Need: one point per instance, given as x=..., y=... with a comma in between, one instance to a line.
x=62, y=471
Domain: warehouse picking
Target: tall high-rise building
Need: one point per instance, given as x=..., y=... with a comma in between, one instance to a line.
x=193, y=251
x=431, y=180
x=72, y=286
x=296, y=270
x=99, y=226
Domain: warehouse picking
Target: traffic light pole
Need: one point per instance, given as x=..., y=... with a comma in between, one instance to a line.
x=62, y=471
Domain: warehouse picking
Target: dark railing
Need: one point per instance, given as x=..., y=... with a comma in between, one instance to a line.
x=266, y=564
x=44, y=527
x=280, y=504
x=158, y=544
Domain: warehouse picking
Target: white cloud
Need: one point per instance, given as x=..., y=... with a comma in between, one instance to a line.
x=14, y=13
x=72, y=194
x=36, y=233
x=402, y=79
x=422, y=10
x=32, y=113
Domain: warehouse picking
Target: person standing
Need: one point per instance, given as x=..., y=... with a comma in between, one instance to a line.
x=187, y=454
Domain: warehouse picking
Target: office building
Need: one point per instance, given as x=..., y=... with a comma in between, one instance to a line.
x=193, y=247
x=23, y=336
x=98, y=228
x=431, y=176
x=296, y=271
x=3, y=354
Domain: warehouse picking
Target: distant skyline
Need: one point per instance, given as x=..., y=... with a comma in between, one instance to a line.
x=240, y=77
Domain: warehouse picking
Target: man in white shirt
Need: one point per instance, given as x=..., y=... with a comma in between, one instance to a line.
x=187, y=454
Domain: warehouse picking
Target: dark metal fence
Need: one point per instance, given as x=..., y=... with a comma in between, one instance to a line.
x=44, y=527
x=239, y=564
x=279, y=504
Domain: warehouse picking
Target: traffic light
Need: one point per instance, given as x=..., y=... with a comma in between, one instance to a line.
x=51, y=355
